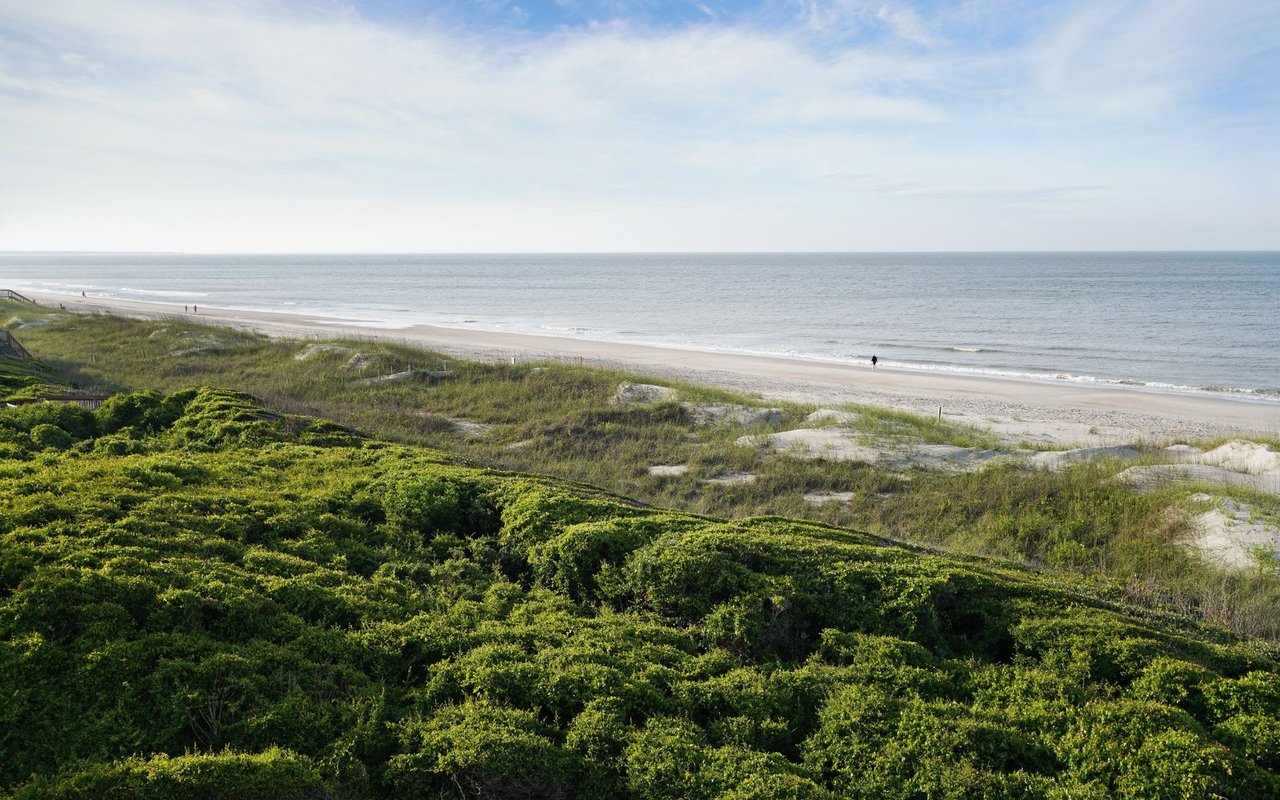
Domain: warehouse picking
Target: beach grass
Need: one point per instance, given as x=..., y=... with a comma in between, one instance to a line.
x=558, y=419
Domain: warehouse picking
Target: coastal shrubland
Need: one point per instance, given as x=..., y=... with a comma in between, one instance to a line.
x=204, y=597
x=560, y=420
x=24, y=378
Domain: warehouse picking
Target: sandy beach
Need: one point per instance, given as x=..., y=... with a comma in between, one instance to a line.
x=1055, y=413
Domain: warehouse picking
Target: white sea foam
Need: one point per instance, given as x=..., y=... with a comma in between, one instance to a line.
x=54, y=286
x=573, y=329
x=361, y=323
x=163, y=293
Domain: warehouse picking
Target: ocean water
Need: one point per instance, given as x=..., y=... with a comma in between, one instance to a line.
x=1167, y=321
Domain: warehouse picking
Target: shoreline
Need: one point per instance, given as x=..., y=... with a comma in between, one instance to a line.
x=1018, y=409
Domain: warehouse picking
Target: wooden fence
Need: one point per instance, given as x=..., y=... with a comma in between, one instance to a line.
x=82, y=399
x=11, y=346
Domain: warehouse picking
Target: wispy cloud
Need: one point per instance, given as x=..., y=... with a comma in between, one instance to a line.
x=867, y=19
x=1017, y=195
x=261, y=125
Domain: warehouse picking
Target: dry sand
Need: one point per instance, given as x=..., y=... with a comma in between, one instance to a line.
x=1233, y=535
x=1017, y=410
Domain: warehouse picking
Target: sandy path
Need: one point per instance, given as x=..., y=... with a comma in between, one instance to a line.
x=1020, y=410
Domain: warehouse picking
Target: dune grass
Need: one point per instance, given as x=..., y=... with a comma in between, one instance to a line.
x=557, y=419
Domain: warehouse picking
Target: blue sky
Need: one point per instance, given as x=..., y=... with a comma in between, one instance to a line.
x=483, y=125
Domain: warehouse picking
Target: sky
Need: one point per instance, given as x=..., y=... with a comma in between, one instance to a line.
x=638, y=125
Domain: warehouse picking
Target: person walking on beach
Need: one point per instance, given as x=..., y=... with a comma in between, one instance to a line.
x=195, y=309
x=874, y=361
x=186, y=309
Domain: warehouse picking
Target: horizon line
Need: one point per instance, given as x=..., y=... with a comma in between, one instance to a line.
x=602, y=252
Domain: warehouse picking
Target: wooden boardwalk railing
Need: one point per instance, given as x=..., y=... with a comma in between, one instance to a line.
x=89, y=400
x=9, y=294
x=10, y=345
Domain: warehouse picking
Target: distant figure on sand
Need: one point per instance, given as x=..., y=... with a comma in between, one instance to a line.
x=82, y=294
x=195, y=309
x=874, y=361
x=186, y=309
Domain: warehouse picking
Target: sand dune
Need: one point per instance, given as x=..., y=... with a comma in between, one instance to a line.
x=1050, y=413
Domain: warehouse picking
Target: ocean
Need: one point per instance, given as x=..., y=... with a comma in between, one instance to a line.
x=1182, y=322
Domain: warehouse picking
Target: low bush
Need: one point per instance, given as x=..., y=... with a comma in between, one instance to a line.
x=214, y=606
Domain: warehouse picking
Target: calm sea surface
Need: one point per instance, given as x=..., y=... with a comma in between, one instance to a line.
x=1173, y=321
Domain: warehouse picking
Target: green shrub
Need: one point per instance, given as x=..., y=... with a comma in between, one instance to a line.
x=118, y=444
x=535, y=515
x=50, y=437
x=1142, y=749
x=1175, y=683
x=1257, y=692
x=77, y=422
x=664, y=760
x=482, y=750
x=1090, y=645
x=212, y=418
x=432, y=504
x=271, y=775
x=1256, y=736
x=142, y=410
x=572, y=561
x=402, y=627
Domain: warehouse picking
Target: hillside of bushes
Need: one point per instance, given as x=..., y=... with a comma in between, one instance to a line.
x=202, y=598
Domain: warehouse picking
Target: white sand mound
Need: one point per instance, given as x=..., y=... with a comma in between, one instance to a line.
x=730, y=479
x=629, y=394
x=743, y=416
x=1230, y=536
x=200, y=346
x=469, y=428
x=950, y=456
x=1052, y=431
x=1149, y=478
x=831, y=444
x=1236, y=463
x=358, y=362
x=312, y=350
x=1242, y=456
x=406, y=375
x=822, y=498
x=1057, y=459
x=669, y=470
x=832, y=415
x=834, y=444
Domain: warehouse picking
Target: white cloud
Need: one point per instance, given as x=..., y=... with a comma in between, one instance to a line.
x=866, y=17
x=247, y=125
x=906, y=23
x=1139, y=60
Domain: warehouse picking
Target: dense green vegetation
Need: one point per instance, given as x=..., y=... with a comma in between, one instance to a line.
x=556, y=419
x=23, y=378
x=203, y=598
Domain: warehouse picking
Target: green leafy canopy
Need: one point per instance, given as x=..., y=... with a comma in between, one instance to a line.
x=200, y=598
